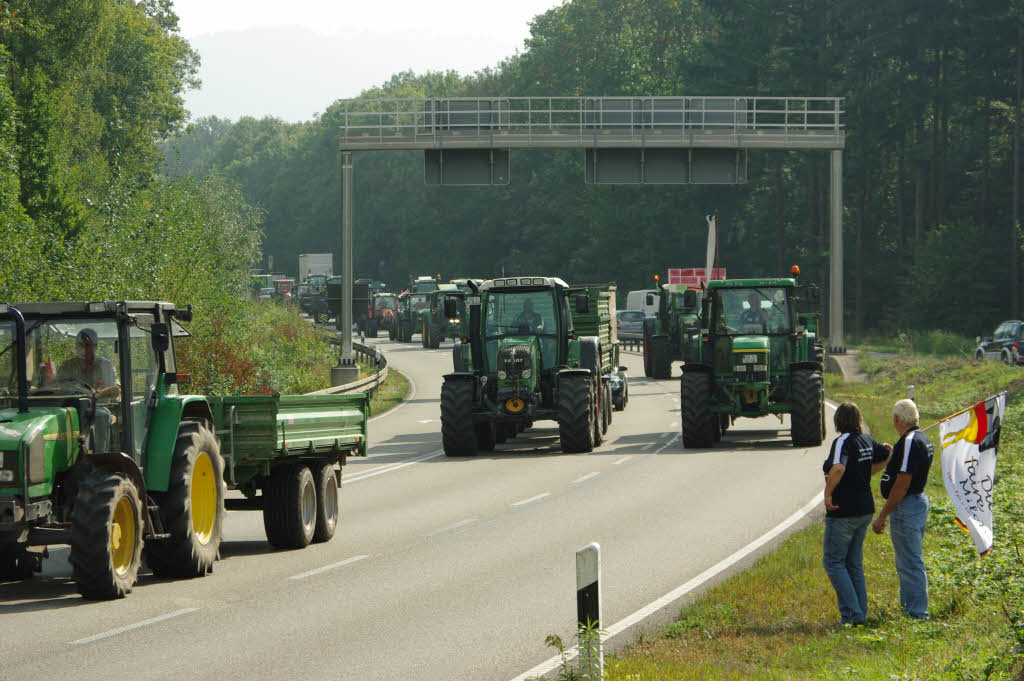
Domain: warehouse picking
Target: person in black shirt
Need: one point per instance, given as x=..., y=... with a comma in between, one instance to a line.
x=905, y=500
x=853, y=458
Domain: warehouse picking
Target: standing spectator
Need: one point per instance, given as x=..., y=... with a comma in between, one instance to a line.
x=905, y=500
x=853, y=458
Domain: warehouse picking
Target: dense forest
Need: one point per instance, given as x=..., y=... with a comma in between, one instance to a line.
x=931, y=94
x=88, y=89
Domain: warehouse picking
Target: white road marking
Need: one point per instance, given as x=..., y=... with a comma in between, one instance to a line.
x=428, y=421
x=532, y=499
x=325, y=568
x=584, y=478
x=675, y=424
x=456, y=526
x=137, y=625
x=647, y=446
x=680, y=591
x=622, y=460
x=388, y=469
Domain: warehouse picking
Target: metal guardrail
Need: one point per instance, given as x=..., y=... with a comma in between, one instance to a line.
x=521, y=122
x=368, y=384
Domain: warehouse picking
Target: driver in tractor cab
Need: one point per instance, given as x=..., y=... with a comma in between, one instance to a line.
x=754, y=315
x=98, y=374
x=527, y=318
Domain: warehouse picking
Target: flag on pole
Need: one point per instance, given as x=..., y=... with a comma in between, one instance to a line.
x=712, y=243
x=969, y=442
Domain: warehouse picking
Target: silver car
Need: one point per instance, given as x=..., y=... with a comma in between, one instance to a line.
x=631, y=324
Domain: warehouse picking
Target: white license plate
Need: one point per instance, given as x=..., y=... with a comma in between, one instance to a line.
x=6, y=476
x=473, y=300
x=748, y=359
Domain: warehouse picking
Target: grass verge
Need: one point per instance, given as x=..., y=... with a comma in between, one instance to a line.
x=392, y=391
x=777, y=619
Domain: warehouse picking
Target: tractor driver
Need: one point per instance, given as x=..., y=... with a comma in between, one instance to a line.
x=528, y=318
x=98, y=374
x=754, y=315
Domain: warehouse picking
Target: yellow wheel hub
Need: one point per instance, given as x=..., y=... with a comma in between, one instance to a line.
x=204, y=498
x=122, y=536
x=515, y=405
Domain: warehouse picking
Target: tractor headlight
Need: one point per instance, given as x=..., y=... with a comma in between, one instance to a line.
x=502, y=375
x=527, y=373
x=760, y=367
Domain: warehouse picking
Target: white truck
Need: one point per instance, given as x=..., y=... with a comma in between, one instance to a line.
x=315, y=263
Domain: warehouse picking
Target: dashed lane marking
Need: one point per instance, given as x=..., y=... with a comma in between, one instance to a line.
x=461, y=523
x=532, y=499
x=584, y=478
x=623, y=460
x=131, y=627
x=390, y=468
x=325, y=568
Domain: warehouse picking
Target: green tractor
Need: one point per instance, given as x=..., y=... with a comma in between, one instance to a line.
x=672, y=332
x=538, y=350
x=100, y=450
x=756, y=355
x=435, y=324
x=409, y=307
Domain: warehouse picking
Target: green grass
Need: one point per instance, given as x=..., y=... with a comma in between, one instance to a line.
x=777, y=619
x=392, y=391
x=910, y=342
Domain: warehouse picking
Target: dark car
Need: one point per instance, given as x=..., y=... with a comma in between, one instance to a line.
x=631, y=324
x=1004, y=345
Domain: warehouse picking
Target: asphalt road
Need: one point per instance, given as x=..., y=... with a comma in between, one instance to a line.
x=441, y=568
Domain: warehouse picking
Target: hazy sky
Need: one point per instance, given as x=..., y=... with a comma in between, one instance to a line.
x=292, y=59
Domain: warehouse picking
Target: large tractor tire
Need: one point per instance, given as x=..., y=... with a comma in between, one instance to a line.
x=371, y=328
x=648, y=365
x=502, y=431
x=328, y=510
x=106, y=536
x=393, y=331
x=457, y=434
x=289, y=509
x=808, y=400
x=699, y=423
x=576, y=414
x=661, y=356
x=599, y=423
x=424, y=334
x=485, y=436
x=192, y=508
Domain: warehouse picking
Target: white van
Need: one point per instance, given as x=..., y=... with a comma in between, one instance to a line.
x=645, y=300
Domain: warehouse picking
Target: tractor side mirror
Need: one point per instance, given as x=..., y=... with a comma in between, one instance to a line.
x=690, y=298
x=814, y=295
x=161, y=337
x=704, y=305
x=649, y=299
x=184, y=315
x=582, y=303
x=450, y=309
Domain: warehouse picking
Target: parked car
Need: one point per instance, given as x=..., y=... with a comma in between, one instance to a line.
x=1004, y=345
x=631, y=324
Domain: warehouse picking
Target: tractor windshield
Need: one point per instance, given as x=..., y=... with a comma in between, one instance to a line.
x=761, y=310
x=522, y=313
x=73, y=357
x=385, y=303
x=419, y=302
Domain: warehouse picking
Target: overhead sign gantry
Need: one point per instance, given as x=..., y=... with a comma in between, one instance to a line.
x=626, y=140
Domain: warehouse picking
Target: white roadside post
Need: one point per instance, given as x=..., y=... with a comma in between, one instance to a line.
x=588, y=612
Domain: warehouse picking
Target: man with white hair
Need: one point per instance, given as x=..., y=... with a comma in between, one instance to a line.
x=905, y=500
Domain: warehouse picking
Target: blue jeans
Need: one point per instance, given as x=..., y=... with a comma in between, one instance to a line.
x=843, y=560
x=906, y=525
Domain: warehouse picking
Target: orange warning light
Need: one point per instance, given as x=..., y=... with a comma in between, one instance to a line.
x=795, y=270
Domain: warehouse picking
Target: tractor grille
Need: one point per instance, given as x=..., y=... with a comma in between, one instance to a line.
x=750, y=367
x=514, y=360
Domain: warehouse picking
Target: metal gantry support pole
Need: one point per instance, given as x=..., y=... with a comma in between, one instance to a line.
x=835, y=307
x=346, y=259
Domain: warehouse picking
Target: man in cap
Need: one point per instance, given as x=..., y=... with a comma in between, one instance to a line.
x=528, y=318
x=98, y=374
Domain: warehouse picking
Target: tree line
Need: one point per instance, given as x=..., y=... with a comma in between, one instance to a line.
x=931, y=94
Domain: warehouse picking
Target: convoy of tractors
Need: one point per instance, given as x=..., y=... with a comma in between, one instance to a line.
x=138, y=469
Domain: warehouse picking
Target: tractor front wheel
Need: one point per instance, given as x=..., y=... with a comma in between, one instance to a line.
x=661, y=357
x=576, y=414
x=290, y=507
x=106, y=536
x=807, y=416
x=192, y=508
x=699, y=423
x=457, y=435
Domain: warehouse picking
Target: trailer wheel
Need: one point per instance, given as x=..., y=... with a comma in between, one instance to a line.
x=806, y=417
x=576, y=414
x=457, y=435
x=328, y=510
x=289, y=511
x=106, y=536
x=192, y=508
x=698, y=423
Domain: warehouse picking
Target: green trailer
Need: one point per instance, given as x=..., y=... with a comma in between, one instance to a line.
x=102, y=449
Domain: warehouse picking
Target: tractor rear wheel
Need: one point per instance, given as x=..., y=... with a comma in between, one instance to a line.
x=192, y=508
x=808, y=401
x=328, y=511
x=290, y=507
x=371, y=328
x=576, y=414
x=457, y=435
x=599, y=423
x=661, y=357
x=699, y=423
x=106, y=536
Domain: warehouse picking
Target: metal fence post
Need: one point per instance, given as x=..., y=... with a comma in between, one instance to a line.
x=588, y=612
